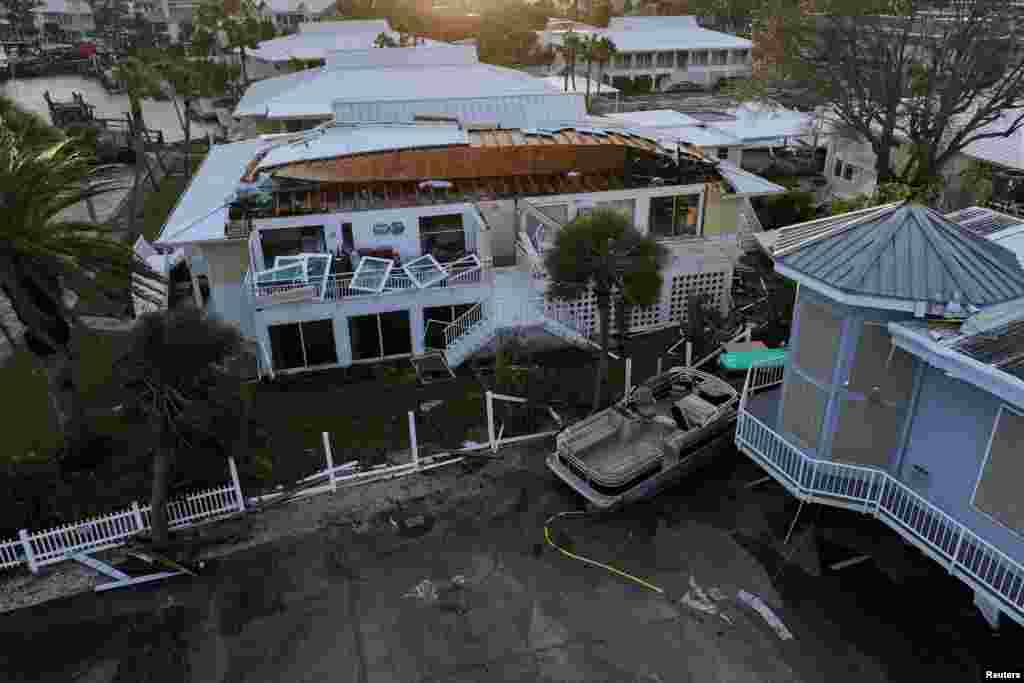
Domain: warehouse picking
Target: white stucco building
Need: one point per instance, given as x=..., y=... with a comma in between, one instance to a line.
x=662, y=50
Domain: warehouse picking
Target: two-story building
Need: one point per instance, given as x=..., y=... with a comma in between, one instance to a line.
x=902, y=395
x=353, y=243
x=399, y=84
x=662, y=51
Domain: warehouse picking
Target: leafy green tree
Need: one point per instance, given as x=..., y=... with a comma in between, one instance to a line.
x=895, y=71
x=604, y=49
x=384, y=40
x=267, y=30
x=173, y=375
x=111, y=17
x=48, y=262
x=602, y=252
x=887, y=193
x=28, y=126
x=977, y=179
x=241, y=30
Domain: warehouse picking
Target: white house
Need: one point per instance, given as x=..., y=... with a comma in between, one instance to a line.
x=353, y=243
x=400, y=84
x=663, y=51
x=726, y=134
x=315, y=40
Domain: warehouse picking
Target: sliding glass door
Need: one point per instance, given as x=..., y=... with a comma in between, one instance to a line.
x=303, y=345
x=380, y=335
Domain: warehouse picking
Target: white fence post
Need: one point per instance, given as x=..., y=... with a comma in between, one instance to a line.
x=413, y=446
x=658, y=371
x=629, y=374
x=236, y=483
x=140, y=522
x=30, y=556
x=489, y=398
x=689, y=354
x=330, y=461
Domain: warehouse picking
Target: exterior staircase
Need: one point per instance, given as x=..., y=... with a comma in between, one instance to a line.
x=514, y=303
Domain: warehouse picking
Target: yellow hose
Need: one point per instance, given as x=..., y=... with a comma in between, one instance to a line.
x=613, y=570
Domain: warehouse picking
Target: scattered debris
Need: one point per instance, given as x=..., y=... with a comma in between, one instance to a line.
x=427, y=406
x=849, y=563
x=704, y=601
x=757, y=604
x=757, y=482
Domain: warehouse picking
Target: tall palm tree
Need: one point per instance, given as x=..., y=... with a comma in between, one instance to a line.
x=174, y=377
x=571, y=44
x=48, y=262
x=602, y=252
x=141, y=80
x=604, y=50
x=588, y=49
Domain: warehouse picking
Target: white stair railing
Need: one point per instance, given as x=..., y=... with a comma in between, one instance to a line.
x=464, y=323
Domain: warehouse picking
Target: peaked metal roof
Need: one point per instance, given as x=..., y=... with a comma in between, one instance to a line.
x=904, y=252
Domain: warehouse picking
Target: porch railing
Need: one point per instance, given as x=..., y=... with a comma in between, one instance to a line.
x=945, y=539
x=463, y=324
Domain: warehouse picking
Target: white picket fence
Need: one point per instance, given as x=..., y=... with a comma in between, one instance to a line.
x=55, y=545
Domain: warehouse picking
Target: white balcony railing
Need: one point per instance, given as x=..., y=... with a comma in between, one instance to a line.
x=945, y=539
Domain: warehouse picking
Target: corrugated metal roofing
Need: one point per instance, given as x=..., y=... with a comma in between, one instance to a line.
x=906, y=252
x=201, y=212
x=315, y=94
x=514, y=111
x=338, y=141
x=984, y=221
x=746, y=183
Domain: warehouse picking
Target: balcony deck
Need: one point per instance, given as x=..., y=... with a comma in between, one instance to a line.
x=764, y=405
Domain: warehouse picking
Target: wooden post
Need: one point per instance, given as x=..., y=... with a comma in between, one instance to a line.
x=236, y=483
x=689, y=353
x=30, y=556
x=489, y=399
x=140, y=521
x=413, y=446
x=330, y=461
x=629, y=375
x=658, y=370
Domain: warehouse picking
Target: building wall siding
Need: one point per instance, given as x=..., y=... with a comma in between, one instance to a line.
x=949, y=437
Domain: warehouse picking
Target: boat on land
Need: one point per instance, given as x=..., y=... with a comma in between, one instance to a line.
x=662, y=431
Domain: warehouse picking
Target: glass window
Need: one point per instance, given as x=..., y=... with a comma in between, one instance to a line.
x=666, y=59
x=318, y=341
x=818, y=343
x=699, y=57
x=674, y=216
x=868, y=432
x=443, y=236
x=623, y=61
x=803, y=409
x=380, y=334
x=292, y=241
x=286, y=346
x=719, y=57
x=880, y=366
x=998, y=491
x=723, y=152
x=849, y=172
x=838, y=171
x=682, y=59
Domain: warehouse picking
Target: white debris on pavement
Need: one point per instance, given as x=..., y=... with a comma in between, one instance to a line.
x=425, y=590
x=704, y=601
x=757, y=604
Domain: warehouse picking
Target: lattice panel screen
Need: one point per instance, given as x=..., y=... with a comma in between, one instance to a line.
x=671, y=308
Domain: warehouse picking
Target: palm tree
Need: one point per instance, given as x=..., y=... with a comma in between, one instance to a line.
x=571, y=44
x=173, y=375
x=588, y=47
x=602, y=252
x=141, y=80
x=48, y=261
x=191, y=80
x=604, y=50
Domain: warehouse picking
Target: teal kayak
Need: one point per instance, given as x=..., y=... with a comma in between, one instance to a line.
x=742, y=360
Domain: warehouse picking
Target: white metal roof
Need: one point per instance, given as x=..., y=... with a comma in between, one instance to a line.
x=257, y=95
x=1005, y=151
x=297, y=6
x=581, y=85
x=650, y=34
x=750, y=123
x=314, y=95
x=347, y=26
x=318, y=40
x=512, y=111
x=336, y=141
x=747, y=183
x=435, y=54
x=201, y=211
